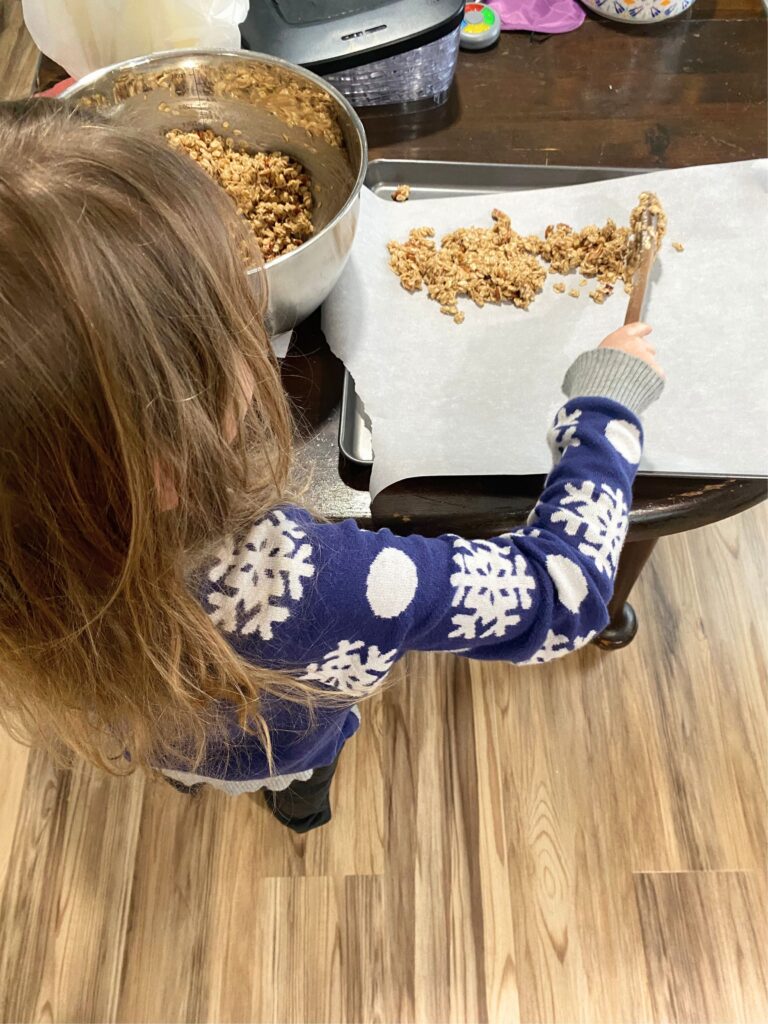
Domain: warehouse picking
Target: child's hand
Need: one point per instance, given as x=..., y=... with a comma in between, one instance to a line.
x=631, y=339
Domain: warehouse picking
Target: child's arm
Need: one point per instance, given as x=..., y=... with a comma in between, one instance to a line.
x=354, y=601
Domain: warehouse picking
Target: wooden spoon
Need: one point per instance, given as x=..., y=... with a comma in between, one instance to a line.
x=648, y=232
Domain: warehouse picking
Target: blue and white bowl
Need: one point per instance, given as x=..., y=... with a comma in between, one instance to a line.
x=639, y=11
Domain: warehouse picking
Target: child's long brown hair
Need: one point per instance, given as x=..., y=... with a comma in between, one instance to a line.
x=127, y=323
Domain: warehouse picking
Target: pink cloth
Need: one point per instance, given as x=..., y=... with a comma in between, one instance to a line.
x=539, y=15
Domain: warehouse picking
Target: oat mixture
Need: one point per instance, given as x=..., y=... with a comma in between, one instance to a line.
x=648, y=224
x=486, y=264
x=271, y=190
x=273, y=89
x=599, y=252
x=497, y=264
x=402, y=193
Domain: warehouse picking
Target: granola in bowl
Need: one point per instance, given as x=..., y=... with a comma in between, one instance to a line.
x=272, y=191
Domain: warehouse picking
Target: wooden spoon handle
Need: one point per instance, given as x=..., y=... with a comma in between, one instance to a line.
x=636, y=302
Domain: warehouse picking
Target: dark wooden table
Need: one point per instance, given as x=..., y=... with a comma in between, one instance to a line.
x=691, y=91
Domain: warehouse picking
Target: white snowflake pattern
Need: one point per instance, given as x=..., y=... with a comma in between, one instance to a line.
x=351, y=666
x=556, y=645
x=562, y=433
x=582, y=641
x=492, y=584
x=603, y=517
x=259, y=576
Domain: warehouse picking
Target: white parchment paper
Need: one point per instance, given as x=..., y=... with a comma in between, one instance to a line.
x=477, y=398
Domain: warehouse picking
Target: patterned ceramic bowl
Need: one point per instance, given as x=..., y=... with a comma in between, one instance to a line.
x=645, y=11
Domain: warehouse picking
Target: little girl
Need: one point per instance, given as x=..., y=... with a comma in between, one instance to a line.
x=163, y=602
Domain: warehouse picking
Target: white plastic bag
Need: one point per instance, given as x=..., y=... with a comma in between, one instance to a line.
x=83, y=35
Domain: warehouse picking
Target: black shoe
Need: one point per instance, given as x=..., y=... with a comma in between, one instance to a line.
x=299, y=825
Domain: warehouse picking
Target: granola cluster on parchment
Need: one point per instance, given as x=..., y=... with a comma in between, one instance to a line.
x=486, y=264
x=271, y=190
x=497, y=264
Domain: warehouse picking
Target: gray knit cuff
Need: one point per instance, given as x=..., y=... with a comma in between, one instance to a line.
x=611, y=373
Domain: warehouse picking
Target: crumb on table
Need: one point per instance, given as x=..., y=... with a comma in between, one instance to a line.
x=401, y=193
x=559, y=286
x=678, y=247
x=574, y=293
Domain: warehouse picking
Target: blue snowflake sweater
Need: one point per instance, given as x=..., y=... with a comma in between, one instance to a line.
x=338, y=605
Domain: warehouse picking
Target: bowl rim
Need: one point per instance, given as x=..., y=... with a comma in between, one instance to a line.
x=264, y=58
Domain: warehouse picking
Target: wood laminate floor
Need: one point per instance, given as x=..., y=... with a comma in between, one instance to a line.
x=579, y=842
x=582, y=841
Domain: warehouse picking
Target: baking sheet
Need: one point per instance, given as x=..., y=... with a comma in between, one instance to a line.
x=476, y=398
x=431, y=179
x=435, y=179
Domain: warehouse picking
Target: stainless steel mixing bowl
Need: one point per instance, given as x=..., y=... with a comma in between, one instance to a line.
x=271, y=105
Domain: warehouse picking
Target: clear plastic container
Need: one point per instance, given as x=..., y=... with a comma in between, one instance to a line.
x=421, y=75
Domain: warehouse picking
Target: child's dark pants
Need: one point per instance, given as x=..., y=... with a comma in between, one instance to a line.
x=304, y=805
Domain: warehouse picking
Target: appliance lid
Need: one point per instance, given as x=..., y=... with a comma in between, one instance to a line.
x=333, y=35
